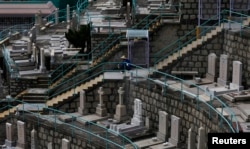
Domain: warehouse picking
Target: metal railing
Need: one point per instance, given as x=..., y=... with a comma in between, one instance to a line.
x=90, y=132
x=139, y=73
x=192, y=35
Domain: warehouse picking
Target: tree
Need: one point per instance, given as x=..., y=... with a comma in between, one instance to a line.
x=79, y=38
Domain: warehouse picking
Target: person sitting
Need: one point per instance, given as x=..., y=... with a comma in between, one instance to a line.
x=125, y=64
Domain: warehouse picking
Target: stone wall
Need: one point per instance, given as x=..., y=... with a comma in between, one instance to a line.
x=110, y=98
x=236, y=46
x=171, y=102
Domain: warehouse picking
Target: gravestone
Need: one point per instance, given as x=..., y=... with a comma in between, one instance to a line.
x=42, y=58
x=175, y=130
x=191, y=139
x=34, y=139
x=121, y=113
x=101, y=109
x=137, y=117
x=223, y=71
x=50, y=145
x=65, y=144
x=201, y=138
x=211, y=72
x=82, y=109
x=21, y=136
x=148, y=123
x=237, y=76
x=163, y=126
x=9, y=141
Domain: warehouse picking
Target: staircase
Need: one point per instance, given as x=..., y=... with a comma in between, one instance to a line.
x=73, y=91
x=177, y=54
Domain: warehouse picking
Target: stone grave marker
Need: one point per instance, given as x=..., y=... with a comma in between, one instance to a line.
x=175, y=130
x=65, y=144
x=34, y=139
x=9, y=141
x=201, y=138
x=163, y=126
x=120, y=113
x=21, y=136
x=50, y=145
x=191, y=139
x=82, y=109
x=137, y=117
x=237, y=76
x=223, y=71
x=101, y=109
x=211, y=72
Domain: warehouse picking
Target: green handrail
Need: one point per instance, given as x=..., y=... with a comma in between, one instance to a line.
x=189, y=37
x=101, y=68
x=117, y=142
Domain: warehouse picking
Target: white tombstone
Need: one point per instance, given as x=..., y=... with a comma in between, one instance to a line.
x=163, y=126
x=82, y=109
x=201, y=138
x=191, y=139
x=223, y=71
x=101, y=109
x=175, y=130
x=65, y=144
x=237, y=76
x=21, y=135
x=137, y=117
x=34, y=140
x=121, y=112
x=42, y=60
x=211, y=72
x=9, y=141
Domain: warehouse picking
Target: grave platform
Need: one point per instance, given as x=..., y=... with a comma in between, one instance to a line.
x=148, y=142
x=163, y=146
x=91, y=118
x=238, y=96
x=69, y=117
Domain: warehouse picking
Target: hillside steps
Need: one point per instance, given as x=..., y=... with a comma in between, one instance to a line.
x=188, y=48
x=76, y=90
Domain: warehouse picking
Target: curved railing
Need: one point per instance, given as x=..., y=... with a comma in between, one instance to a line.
x=140, y=72
x=192, y=35
x=91, y=132
x=102, y=47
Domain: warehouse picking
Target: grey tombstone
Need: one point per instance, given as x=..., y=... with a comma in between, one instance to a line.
x=9, y=141
x=120, y=113
x=82, y=109
x=101, y=109
x=56, y=16
x=237, y=76
x=211, y=72
x=21, y=136
x=201, y=138
x=223, y=71
x=191, y=139
x=65, y=144
x=50, y=145
x=34, y=139
x=175, y=130
x=137, y=117
x=163, y=126
x=148, y=123
x=42, y=59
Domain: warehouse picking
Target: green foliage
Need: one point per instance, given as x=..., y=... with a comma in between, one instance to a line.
x=79, y=37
